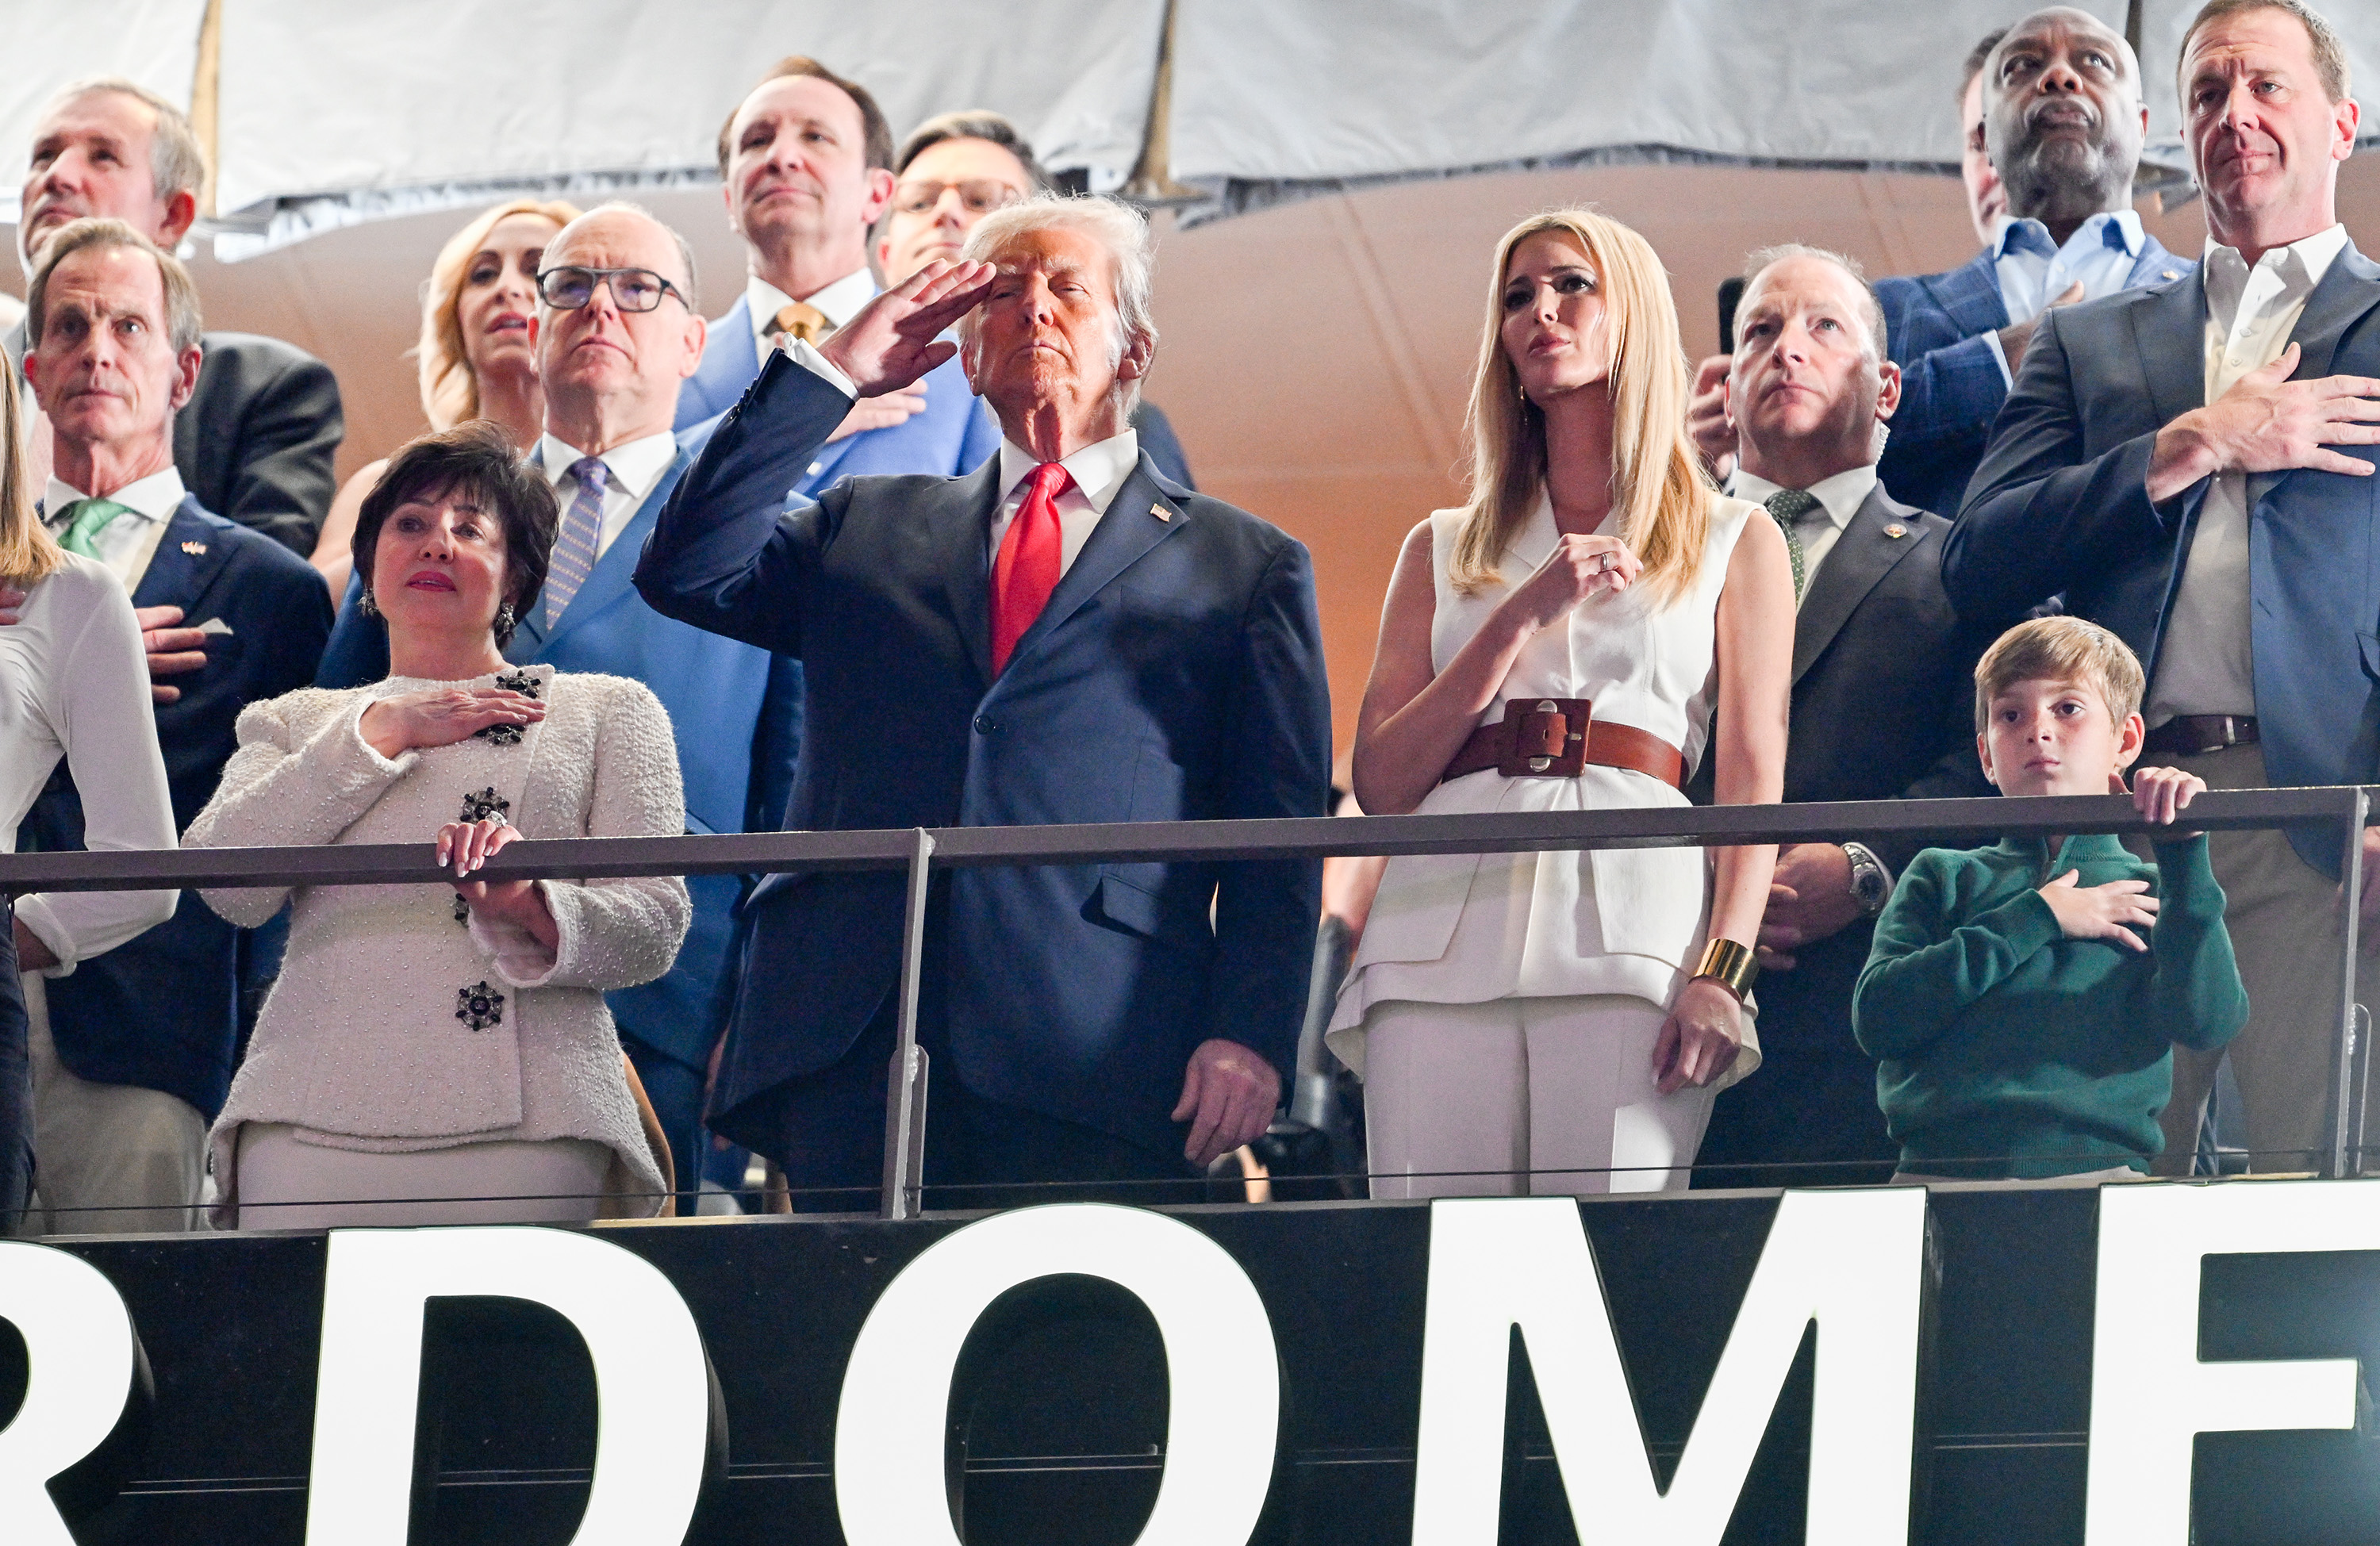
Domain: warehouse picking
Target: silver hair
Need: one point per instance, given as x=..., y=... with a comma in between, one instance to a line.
x=176, y=163
x=685, y=248
x=184, y=327
x=1871, y=310
x=1120, y=229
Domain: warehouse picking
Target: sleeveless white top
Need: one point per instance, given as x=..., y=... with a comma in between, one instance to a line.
x=1462, y=928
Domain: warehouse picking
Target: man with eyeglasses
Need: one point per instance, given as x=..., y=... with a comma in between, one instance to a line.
x=617, y=333
x=955, y=169
x=806, y=160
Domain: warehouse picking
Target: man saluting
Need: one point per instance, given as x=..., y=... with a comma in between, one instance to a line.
x=1061, y=636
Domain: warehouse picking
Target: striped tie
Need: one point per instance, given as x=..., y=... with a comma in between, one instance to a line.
x=582, y=529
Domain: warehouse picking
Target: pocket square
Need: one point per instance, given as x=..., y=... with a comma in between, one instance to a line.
x=215, y=625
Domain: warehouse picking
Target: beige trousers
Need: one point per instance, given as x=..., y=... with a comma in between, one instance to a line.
x=2284, y=918
x=1522, y=1097
x=108, y=1159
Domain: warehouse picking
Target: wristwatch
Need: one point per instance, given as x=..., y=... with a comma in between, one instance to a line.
x=1870, y=885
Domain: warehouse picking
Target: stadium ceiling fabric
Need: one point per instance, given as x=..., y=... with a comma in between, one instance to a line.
x=328, y=115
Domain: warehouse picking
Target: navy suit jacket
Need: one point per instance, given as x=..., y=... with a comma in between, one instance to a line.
x=1176, y=673
x=162, y=1011
x=2061, y=504
x=1950, y=381
x=737, y=715
x=955, y=434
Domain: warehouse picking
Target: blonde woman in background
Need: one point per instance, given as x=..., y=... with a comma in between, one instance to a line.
x=1578, y=636
x=475, y=356
x=74, y=685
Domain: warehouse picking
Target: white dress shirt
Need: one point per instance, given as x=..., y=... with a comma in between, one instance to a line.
x=1839, y=497
x=1098, y=472
x=836, y=302
x=128, y=543
x=634, y=467
x=2035, y=271
x=2205, y=666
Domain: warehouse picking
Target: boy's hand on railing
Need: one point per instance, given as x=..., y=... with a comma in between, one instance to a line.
x=2101, y=911
x=2159, y=794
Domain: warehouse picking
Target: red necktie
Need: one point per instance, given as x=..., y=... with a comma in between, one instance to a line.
x=1026, y=569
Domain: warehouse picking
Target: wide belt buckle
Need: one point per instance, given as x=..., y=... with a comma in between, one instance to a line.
x=1544, y=738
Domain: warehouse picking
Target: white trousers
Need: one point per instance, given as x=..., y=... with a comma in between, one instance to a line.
x=1524, y=1097
x=287, y=1184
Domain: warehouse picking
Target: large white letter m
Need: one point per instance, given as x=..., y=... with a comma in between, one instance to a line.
x=1852, y=1260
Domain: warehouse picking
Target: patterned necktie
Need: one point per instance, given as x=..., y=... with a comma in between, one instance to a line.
x=1026, y=569
x=88, y=519
x=1788, y=506
x=801, y=320
x=582, y=529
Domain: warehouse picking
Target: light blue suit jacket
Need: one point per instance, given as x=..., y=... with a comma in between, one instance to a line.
x=956, y=435
x=737, y=715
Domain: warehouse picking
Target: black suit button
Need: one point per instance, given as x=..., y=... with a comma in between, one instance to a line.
x=984, y=725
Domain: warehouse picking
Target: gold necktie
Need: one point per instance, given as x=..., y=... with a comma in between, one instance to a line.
x=801, y=320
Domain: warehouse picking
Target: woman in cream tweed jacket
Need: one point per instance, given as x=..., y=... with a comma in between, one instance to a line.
x=442, y=1052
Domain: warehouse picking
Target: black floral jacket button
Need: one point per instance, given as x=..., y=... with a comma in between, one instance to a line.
x=480, y=1006
x=480, y=804
x=502, y=735
x=518, y=682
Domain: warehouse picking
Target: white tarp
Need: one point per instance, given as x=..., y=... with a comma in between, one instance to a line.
x=334, y=114
x=1273, y=99
x=49, y=44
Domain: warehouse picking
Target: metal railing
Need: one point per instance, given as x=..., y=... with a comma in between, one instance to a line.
x=2339, y=811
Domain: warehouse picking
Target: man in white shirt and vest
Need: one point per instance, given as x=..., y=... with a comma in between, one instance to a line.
x=2190, y=465
x=804, y=165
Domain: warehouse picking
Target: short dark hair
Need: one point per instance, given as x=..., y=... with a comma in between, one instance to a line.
x=2329, y=53
x=877, y=132
x=974, y=123
x=475, y=458
x=1978, y=57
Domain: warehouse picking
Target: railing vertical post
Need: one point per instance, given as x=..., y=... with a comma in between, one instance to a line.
x=904, y=1096
x=2346, y=1086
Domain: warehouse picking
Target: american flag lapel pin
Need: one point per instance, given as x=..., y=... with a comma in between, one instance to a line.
x=194, y=548
x=1160, y=512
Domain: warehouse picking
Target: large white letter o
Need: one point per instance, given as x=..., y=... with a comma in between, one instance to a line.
x=890, y=1427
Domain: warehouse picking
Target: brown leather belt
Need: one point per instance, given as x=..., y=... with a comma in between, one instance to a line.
x=2190, y=735
x=1556, y=737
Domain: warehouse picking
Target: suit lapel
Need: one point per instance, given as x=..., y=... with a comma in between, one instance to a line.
x=617, y=567
x=1123, y=534
x=718, y=376
x=2169, y=328
x=1971, y=295
x=1862, y=556
x=177, y=575
x=2346, y=293
x=2155, y=265
x=960, y=530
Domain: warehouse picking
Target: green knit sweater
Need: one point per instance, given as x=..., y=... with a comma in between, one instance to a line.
x=2005, y=1044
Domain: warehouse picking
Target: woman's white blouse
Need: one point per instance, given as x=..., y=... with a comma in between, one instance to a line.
x=73, y=683
x=1462, y=928
x=396, y=1025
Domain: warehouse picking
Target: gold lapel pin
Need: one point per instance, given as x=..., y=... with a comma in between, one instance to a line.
x=1895, y=529
x=2173, y=273
x=194, y=548
x=1160, y=512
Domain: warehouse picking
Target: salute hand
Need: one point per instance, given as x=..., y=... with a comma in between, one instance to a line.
x=894, y=338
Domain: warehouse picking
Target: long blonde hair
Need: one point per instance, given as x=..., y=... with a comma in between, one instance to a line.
x=450, y=393
x=1658, y=480
x=28, y=553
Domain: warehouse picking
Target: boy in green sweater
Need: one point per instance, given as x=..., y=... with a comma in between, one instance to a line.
x=2023, y=999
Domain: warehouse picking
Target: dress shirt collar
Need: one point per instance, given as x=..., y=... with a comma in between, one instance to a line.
x=2120, y=229
x=635, y=465
x=837, y=301
x=1839, y=496
x=2299, y=266
x=1099, y=470
x=153, y=498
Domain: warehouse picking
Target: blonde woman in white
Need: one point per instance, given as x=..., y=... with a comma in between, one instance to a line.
x=1595, y=622
x=441, y=1054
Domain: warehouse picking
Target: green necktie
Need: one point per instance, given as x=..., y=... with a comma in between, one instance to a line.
x=1788, y=506
x=89, y=518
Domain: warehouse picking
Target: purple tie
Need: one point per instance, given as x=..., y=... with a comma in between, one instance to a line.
x=582, y=529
